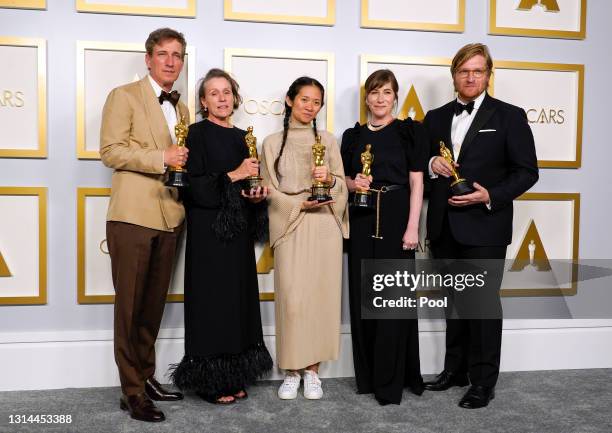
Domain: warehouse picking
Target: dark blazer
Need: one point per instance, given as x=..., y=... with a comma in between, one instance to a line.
x=503, y=161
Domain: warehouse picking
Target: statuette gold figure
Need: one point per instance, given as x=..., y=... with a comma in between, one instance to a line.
x=458, y=186
x=362, y=198
x=177, y=175
x=252, y=182
x=320, y=189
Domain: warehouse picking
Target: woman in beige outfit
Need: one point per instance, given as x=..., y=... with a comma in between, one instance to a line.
x=307, y=240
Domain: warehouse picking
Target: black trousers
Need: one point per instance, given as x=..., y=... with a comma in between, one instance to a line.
x=473, y=345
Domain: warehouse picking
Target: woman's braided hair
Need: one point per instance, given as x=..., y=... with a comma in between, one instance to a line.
x=293, y=91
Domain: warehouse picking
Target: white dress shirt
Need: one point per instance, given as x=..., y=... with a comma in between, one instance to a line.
x=459, y=128
x=169, y=113
x=167, y=108
x=461, y=124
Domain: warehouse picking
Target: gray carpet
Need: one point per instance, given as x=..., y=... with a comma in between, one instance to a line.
x=575, y=401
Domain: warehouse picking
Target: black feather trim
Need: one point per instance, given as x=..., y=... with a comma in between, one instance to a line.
x=215, y=376
x=230, y=220
x=260, y=222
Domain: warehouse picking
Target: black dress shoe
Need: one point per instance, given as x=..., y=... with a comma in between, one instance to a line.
x=155, y=391
x=141, y=408
x=445, y=380
x=477, y=396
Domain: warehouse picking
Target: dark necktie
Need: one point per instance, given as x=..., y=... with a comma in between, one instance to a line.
x=459, y=107
x=172, y=97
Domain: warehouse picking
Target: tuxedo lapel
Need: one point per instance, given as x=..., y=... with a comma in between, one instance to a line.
x=155, y=116
x=484, y=113
x=447, y=123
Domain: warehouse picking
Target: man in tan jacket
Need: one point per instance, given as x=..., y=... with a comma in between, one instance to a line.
x=144, y=218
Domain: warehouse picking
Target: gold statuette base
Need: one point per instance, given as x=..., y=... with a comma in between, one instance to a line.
x=320, y=193
x=362, y=199
x=252, y=182
x=177, y=177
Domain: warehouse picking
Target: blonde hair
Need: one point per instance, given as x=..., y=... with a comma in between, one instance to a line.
x=467, y=52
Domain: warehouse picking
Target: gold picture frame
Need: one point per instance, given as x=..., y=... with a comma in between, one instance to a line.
x=368, y=22
x=82, y=46
x=23, y=4
x=230, y=14
x=187, y=12
x=556, y=67
x=494, y=29
x=41, y=193
x=573, y=290
x=295, y=55
x=264, y=264
x=41, y=61
x=82, y=296
x=366, y=59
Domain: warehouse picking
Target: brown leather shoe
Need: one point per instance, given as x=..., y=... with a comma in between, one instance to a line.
x=155, y=391
x=141, y=408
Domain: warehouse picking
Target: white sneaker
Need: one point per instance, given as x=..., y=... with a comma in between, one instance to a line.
x=289, y=388
x=312, y=385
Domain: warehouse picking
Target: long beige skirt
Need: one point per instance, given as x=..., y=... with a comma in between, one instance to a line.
x=308, y=279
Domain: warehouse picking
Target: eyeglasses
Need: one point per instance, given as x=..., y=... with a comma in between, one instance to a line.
x=476, y=73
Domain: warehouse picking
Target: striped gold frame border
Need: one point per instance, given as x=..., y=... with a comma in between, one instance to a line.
x=458, y=27
x=189, y=11
x=557, y=67
x=573, y=290
x=328, y=20
x=82, y=46
x=295, y=55
x=366, y=59
x=82, y=297
x=494, y=29
x=41, y=49
x=41, y=193
x=23, y=4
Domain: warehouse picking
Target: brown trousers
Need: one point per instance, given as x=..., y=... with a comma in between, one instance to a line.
x=141, y=260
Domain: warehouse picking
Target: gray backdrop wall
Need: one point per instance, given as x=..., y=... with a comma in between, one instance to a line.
x=62, y=173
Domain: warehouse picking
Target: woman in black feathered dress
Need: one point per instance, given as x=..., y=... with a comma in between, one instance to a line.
x=224, y=348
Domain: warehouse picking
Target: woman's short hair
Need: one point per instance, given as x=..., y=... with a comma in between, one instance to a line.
x=378, y=79
x=218, y=73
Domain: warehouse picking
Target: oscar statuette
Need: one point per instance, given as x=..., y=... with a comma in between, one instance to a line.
x=458, y=186
x=363, y=198
x=177, y=175
x=251, y=182
x=320, y=189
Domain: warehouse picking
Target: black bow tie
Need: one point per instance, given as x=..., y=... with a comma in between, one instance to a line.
x=172, y=97
x=459, y=107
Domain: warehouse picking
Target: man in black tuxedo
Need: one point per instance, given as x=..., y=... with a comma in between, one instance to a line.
x=493, y=147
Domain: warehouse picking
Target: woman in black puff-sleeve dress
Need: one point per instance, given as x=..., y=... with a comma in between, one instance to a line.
x=385, y=351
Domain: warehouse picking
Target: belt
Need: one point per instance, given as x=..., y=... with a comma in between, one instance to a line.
x=387, y=188
x=383, y=189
